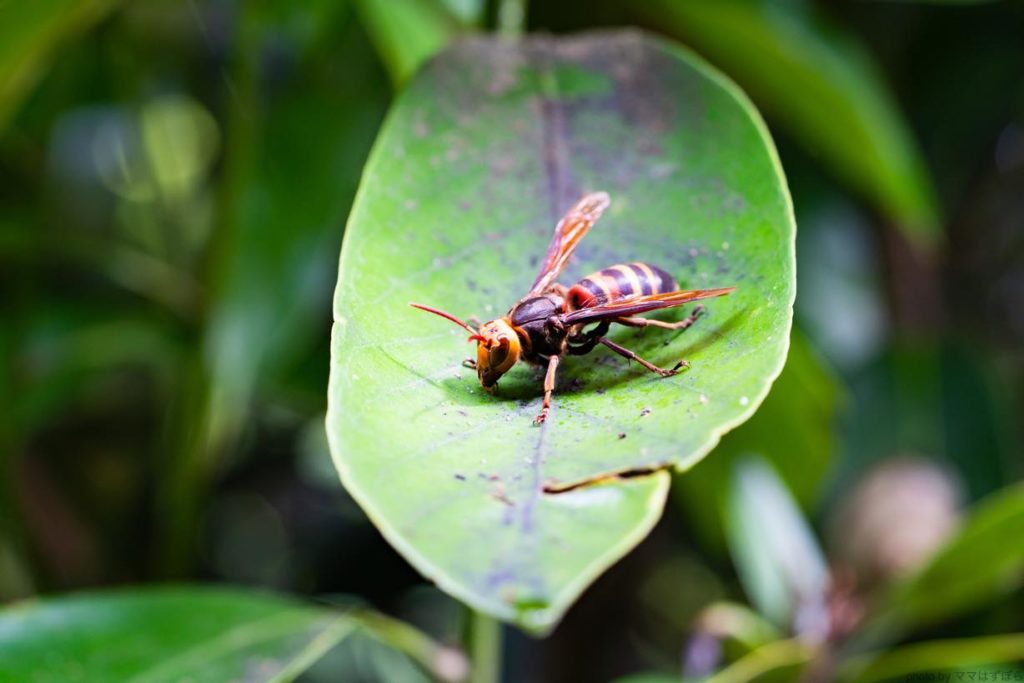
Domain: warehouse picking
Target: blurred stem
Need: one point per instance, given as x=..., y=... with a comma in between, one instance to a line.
x=444, y=663
x=12, y=522
x=14, y=541
x=913, y=282
x=782, y=653
x=183, y=484
x=484, y=648
x=512, y=17
x=315, y=650
x=730, y=620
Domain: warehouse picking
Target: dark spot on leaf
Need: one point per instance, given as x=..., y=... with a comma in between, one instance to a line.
x=460, y=477
x=645, y=412
x=622, y=435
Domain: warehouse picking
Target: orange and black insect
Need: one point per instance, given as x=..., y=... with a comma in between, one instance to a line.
x=551, y=321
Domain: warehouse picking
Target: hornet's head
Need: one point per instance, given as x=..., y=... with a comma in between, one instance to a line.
x=497, y=350
x=497, y=346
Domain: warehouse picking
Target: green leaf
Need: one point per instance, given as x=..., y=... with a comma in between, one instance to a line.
x=165, y=634
x=649, y=678
x=934, y=656
x=793, y=430
x=177, y=633
x=469, y=12
x=29, y=34
x=777, y=556
x=734, y=621
x=984, y=560
x=483, y=152
x=781, y=661
x=822, y=86
x=406, y=33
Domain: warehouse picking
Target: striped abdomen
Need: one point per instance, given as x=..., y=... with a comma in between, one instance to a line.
x=618, y=282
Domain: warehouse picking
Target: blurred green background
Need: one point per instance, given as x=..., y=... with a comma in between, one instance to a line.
x=174, y=184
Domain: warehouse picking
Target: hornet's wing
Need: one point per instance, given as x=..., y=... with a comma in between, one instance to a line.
x=568, y=233
x=639, y=304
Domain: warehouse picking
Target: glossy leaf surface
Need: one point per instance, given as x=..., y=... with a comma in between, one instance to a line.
x=169, y=634
x=481, y=155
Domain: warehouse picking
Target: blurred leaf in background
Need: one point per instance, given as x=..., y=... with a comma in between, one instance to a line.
x=985, y=657
x=408, y=33
x=284, y=199
x=165, y=635
x=175, y=633
x=30, y=33
x=777, y=556
x=820, y=84
x=282, y=202
x=794, y=430
x=842, y=304
x=198, y=236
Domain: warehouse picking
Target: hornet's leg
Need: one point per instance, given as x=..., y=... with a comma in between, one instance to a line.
x=584, y=342
x=626, y=353
x=680, y=325
x=549, y=388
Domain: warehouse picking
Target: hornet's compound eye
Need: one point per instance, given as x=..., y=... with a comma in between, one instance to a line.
x=496, y=352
